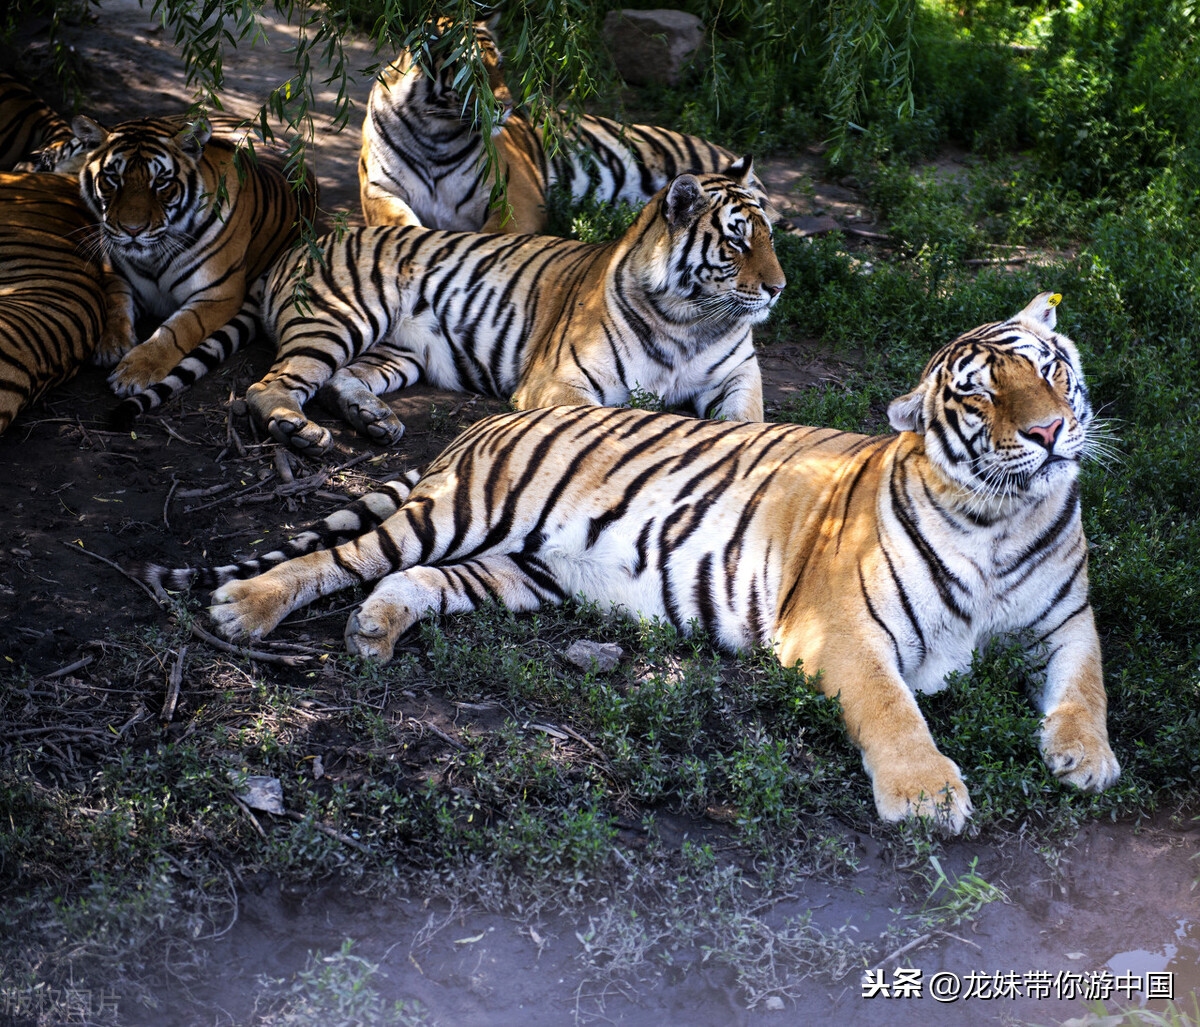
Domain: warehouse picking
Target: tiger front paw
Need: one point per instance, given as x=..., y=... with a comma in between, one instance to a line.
x=115, y=342
x=378, y=424
x=301, y=434
x=365, y=412
x=1075, y=748
x=143, y=366
x=277, y=410
x=245, y=610
x=931, y=788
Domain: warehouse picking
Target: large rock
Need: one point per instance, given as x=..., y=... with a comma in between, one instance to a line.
x=652, y=46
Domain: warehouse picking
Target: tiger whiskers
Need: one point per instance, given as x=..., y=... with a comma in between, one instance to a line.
x=994, y=488
x=1100, y=444
x=721, y=309
x=92, y=244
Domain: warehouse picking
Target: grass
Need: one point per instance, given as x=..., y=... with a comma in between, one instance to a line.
x=336, y=989
x=1174, y=1015
x=480, y=766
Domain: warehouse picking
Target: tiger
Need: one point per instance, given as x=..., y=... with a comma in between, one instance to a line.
x=666, y=309
x=878, y=563
x=58, y=307
x=67, y=155
x=27, y=123
x=187, y=229
x=423, y=158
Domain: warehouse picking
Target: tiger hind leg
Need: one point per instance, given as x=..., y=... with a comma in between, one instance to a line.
x=402, y=599
x=354, y=392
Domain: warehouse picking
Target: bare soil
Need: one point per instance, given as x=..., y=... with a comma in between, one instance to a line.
x=196, y=480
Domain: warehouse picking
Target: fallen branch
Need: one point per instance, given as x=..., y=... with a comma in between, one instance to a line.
x=987, y=261
x=864, y=233
x=212, y=490
x=254, y=654
x=76, y=547
x=174, y=683
x=916, y=943
x=345, y=839
x=235, y=495
x=174, y=434
x=167, y=501
x=70, y=667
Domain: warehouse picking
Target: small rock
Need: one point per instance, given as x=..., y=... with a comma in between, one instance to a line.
x=774, y=1004
x=652, y=46
x=821, y=225
x=264, y=793
x=603, y=655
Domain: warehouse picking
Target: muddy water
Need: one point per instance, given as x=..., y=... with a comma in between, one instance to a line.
x=1117, y=919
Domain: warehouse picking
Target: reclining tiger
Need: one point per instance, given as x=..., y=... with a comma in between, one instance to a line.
x=667, y=308
x=423, y=157
x=27, y=124
x=187, y=229
x=59, y=306
x=881, y=562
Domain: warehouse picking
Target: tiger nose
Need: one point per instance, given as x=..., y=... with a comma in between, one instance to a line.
x=772, y=290
x=1045, y=434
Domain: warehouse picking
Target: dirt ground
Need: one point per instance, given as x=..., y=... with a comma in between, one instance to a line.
x=1120, y=901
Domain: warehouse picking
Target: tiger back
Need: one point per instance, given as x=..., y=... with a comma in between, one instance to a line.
x=423, y=160
x=187, y=229
x=27, y=124
x=53, y=296
x=881, y=562
x=667, y=309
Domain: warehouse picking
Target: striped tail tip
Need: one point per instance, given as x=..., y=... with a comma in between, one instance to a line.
x=125, y=414
x=157, y=577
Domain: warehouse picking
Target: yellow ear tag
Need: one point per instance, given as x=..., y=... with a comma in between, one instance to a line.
x=1054, y=300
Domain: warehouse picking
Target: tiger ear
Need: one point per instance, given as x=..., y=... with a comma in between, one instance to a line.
x=741, y=170
x=685, y=201
x=1042, y=309
x=906, y=413
x=192, y=139
x=492, y=24
x=90, y=133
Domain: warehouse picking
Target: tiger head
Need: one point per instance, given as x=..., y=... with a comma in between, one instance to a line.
x=438, y=80
x=1003, y=408
x=711, y=238
x=142, y=180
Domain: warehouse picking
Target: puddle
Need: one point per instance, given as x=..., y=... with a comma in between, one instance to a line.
x=1121, y=916
x=1180, y=959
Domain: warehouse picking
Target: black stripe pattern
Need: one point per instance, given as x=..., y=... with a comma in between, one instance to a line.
x=188, y=224
x=423, y=158
x=52, y=296
x=667, y=309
